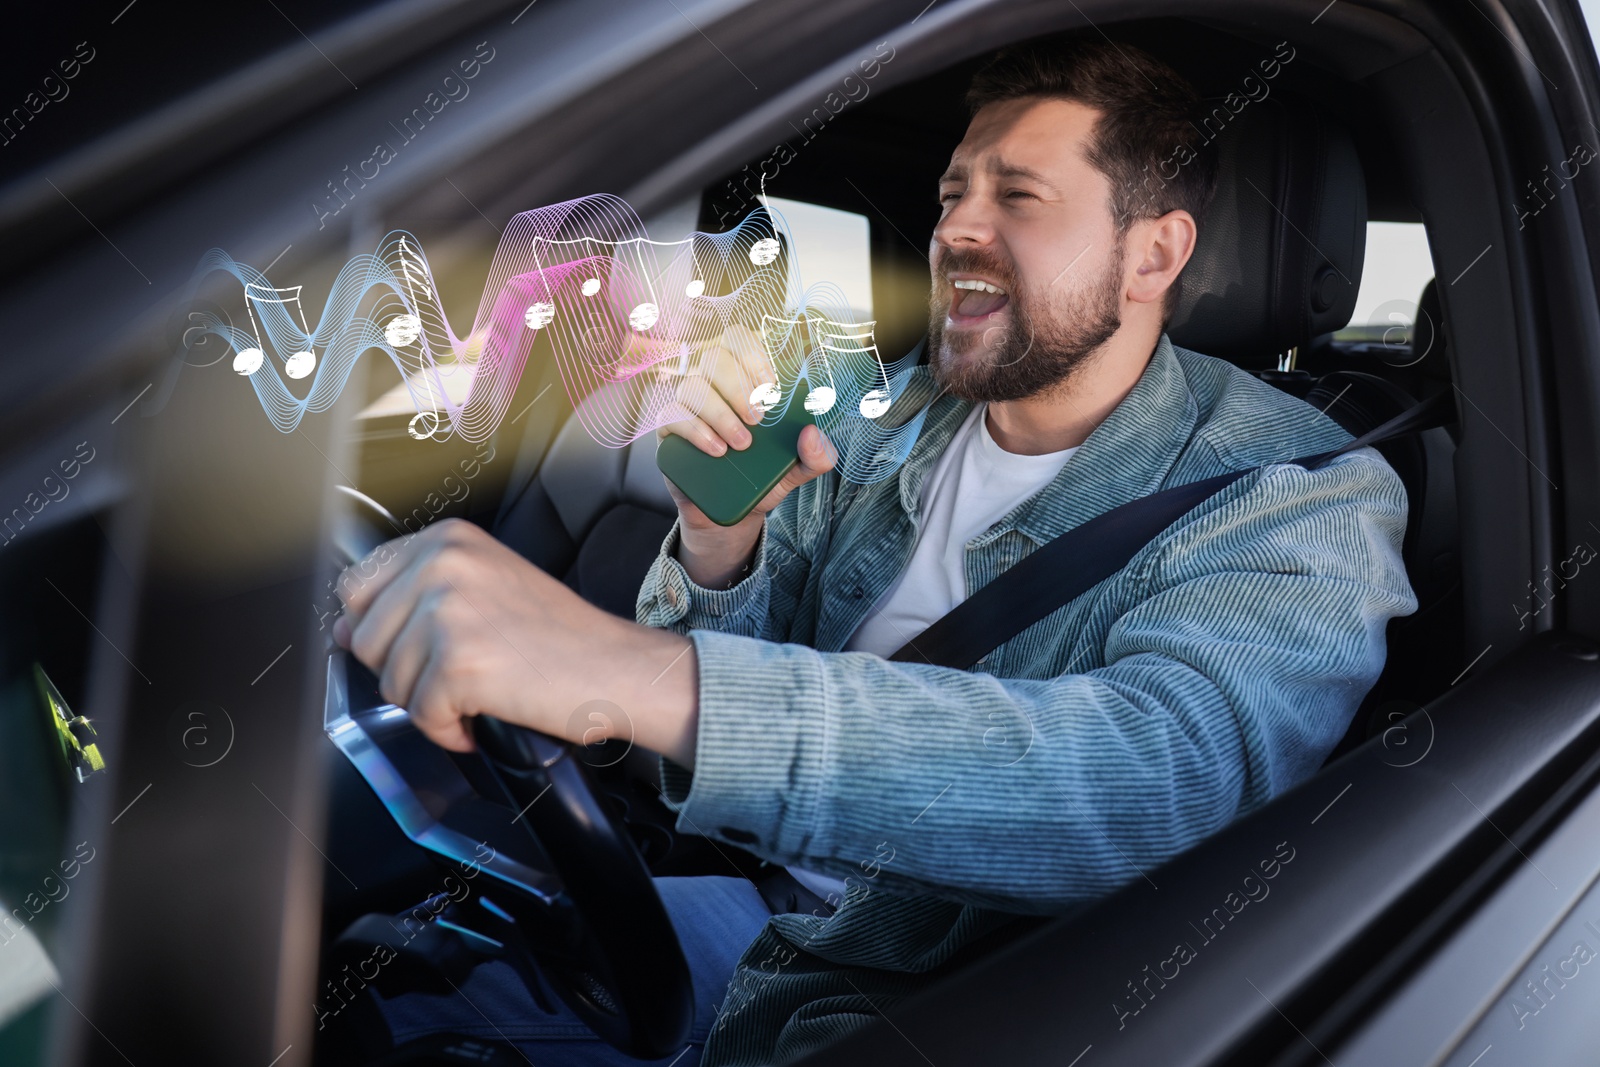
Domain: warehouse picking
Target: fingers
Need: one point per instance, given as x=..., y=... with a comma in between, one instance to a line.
x=373, y=632
x=697, y=433
x=817, y=457
x=701, y=397
x=433, y=712
x=361, y=582
x=817, y=453
x=414, y=675
x=737, y=368
x=719, y=395
x=409, y=654
x=734, y=364
x=377, y=609
x=742, y=338
x=446, y=636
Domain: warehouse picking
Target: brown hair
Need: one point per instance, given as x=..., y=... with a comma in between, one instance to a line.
x=1145, y=125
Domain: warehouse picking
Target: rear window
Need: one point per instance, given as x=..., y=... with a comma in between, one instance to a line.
x=831, y=246
x=1397, y=267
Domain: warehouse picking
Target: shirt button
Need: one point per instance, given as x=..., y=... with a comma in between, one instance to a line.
x=672, y=595
x=857, y=593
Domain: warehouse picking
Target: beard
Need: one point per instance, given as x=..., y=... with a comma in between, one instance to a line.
x=1041, y=348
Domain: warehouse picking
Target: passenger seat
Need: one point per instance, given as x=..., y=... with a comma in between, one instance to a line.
x=591, y=515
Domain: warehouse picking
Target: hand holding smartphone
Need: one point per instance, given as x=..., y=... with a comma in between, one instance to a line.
x=728, y=487
x=725, y=469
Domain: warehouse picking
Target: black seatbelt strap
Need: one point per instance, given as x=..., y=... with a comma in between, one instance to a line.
x=1068, y=566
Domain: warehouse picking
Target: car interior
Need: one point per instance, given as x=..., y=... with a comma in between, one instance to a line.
x=1378, y=117
x=1273, y=282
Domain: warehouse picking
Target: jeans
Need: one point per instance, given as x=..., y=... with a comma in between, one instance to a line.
x=715, y=919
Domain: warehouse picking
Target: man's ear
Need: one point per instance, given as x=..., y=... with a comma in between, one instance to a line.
x=1160, y=247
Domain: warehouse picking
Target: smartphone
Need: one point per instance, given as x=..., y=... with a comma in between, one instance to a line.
x=728, y=486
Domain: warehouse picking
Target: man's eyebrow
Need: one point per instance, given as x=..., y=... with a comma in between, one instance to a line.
x=958, y=173
x=1017, y=170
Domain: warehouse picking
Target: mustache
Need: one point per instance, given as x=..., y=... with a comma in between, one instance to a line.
x=975, y=262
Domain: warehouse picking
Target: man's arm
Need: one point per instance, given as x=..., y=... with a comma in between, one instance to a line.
x=1258, y=629
x=759, y=599
x=713, y=577
x=1253, y=633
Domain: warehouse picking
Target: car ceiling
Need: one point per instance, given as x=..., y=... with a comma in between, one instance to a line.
x=554, y=121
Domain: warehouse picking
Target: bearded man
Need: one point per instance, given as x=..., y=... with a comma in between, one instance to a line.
x=929, y=806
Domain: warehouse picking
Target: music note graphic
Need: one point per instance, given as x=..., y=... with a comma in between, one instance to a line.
x=406, y=328
x=414, y=273
x=630, y=323
x=855, y=342
x=275, y=302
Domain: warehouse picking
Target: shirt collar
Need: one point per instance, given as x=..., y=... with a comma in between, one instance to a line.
x=1127, y=456
x=944, y=417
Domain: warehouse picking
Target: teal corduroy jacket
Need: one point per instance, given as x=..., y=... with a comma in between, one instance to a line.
x=1217, y=669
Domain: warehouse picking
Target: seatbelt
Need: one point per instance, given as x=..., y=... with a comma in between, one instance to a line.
x=1068, y=566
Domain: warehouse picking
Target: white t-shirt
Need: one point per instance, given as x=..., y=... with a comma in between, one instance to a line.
x=975, y=484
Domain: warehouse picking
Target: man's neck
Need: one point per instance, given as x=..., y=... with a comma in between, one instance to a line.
x=1064, y=417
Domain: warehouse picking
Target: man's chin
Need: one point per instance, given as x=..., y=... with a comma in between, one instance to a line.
x=962, y=366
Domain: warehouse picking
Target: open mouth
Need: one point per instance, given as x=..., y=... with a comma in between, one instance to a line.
x=975, y=299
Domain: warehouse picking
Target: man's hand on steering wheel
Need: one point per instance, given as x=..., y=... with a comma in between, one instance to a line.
x=455, y=624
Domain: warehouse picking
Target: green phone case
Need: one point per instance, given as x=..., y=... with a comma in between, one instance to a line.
x=727, y=487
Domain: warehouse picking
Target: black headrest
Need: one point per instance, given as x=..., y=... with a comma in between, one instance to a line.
x=1278, y=260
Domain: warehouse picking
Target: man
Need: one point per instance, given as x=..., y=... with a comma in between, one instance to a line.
x=1218, y=668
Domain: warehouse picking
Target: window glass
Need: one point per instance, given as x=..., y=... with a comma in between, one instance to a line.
x=1591, y=14
x=1396, y=271
x=673, y=223
x=830, y=246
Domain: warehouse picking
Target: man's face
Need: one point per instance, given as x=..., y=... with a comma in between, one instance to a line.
x=1025, y=213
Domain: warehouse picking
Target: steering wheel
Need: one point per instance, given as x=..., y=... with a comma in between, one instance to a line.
x=568, y=888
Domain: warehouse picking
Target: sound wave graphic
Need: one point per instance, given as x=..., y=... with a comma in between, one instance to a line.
x=626, y=319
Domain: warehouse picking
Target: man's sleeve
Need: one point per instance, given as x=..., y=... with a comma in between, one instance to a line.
x=1252, y=634
x=761, y=604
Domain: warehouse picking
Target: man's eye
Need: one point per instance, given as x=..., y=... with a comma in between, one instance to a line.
x=945, y=198
x=1018, y=194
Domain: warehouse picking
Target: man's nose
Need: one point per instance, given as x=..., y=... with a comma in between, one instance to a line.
x=966, y=224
